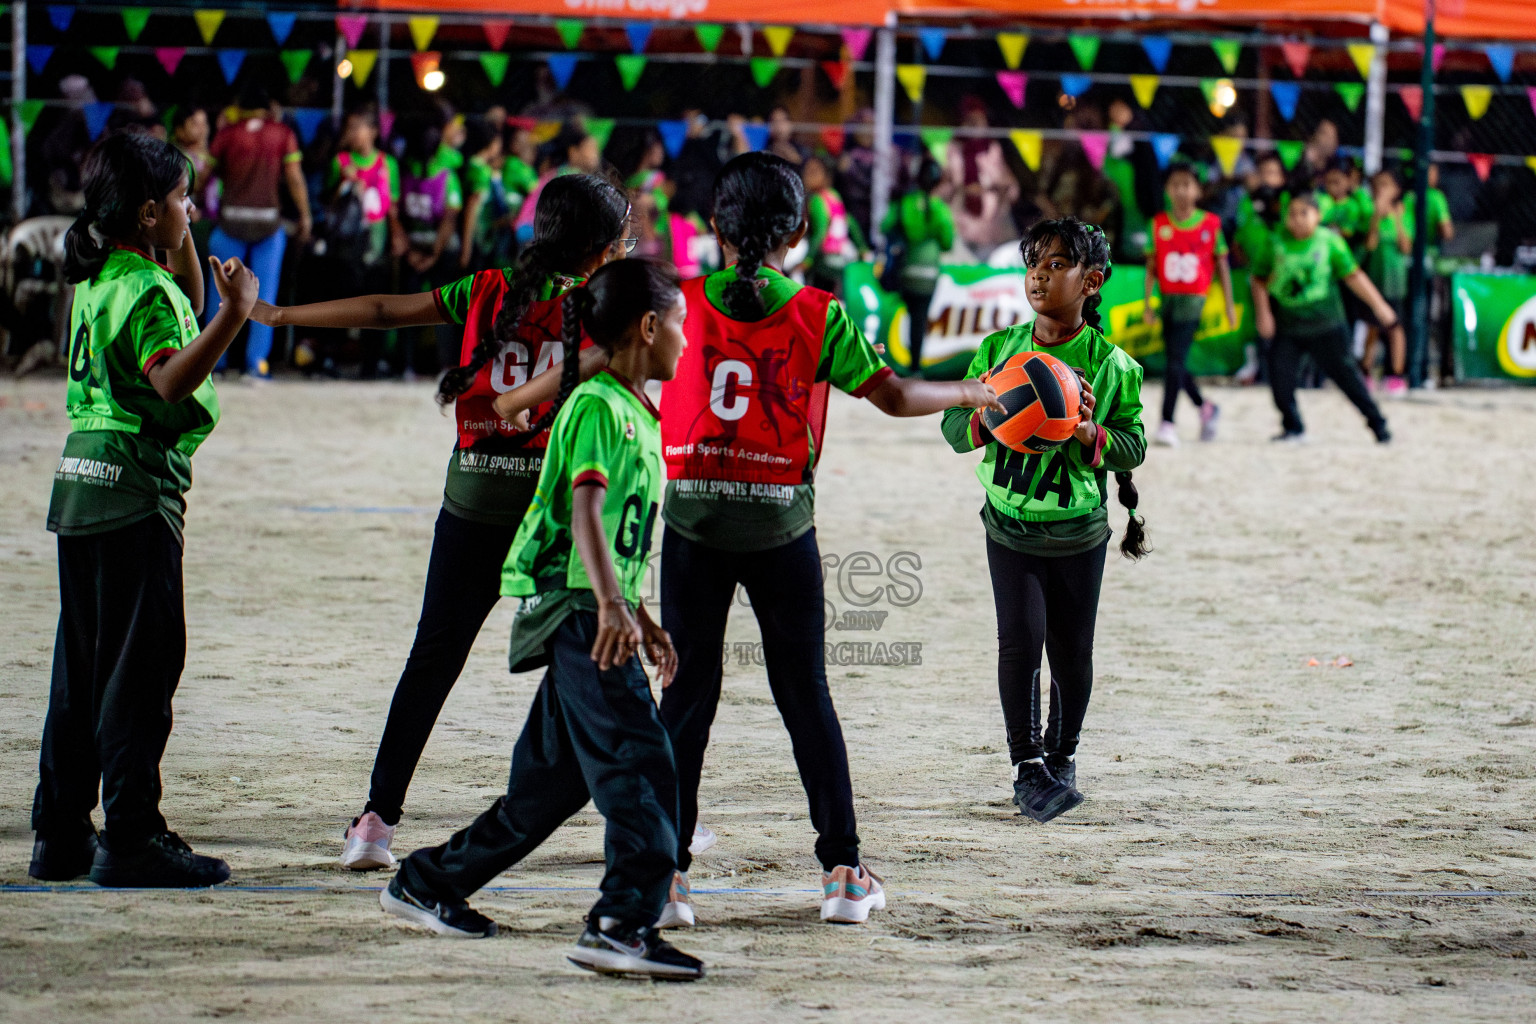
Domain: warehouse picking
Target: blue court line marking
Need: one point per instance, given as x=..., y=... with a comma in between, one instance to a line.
x=1367, y=894
x=389, y=510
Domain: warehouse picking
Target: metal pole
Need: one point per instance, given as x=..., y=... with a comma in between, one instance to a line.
x=1376, y=99
x=18, y=96
x=885, y=116
x=1418, y=276
x=338, y=86
x=382, y=71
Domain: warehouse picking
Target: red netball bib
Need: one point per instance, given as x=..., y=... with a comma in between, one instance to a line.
x=1185, y=258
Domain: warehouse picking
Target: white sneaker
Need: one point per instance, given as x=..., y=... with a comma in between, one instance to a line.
x=678, y=913
x=702, y=840
x=1167, y=435
x=849, y=894
x=367, y=844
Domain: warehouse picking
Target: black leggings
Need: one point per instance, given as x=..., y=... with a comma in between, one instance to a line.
x=1051, y=602
x=1178, y=338
x=463, y=585
x=1330, y=351
x=917, y=325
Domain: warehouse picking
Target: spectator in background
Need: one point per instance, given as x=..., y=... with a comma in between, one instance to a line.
x=922, y=228
x=1131, y=167
x=573, y=151
x=781, y=137
x=1388, y=248
x=363, y=174
x=518, y=173
x=251, y=154
x=1441, y=228
x=487, y=229
x=834, y=240
x=856, y=170
x=1072, y=187
x=63, y=149
x=1260, y=208
x=431, y=201
x=978, y=182
x=1322, y=148
x=651, y=194
x=189, y=132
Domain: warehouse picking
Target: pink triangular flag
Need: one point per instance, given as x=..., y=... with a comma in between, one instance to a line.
x=1531, y=92
x=1437, y=57
x=386, y=122
x=1013, y=84
x=857, y=41
x=1095, y=144
x=1413, y=98
x=1298, y=56
x=351, y=27
x=170, y=57
x=496, y=32
x=1482, y=163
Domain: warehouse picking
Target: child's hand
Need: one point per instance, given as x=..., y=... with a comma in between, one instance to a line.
x=658, y=648
x=1087, y=430
x=1149, y=315
x=266, y=313
x=1232, y=316
x=503, y=408
x=1264, y=323
x=978, y=394
x=237, y=286
x=618, y=635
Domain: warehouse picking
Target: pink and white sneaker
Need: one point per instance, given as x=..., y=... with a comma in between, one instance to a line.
x=1210, y=415
x=367, y=844
x=849, y=894
x=678, y=913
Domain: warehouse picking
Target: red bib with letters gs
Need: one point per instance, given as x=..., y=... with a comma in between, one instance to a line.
x=745, y=404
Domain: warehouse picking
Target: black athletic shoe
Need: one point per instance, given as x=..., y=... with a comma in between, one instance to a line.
x=1062, y=768
x=641, y=951
x=1040, y=796
x=1383, y=435
x=62, y=860
x=165, y=862
x=455, y=920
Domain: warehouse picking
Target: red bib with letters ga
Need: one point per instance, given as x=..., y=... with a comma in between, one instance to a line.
x=1185, y=258
x=536, y=348
x=745, y=404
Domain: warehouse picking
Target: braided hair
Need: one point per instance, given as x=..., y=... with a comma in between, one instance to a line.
x=122, y=173
x=578, y=216
x=1088, y=247
x=759, y=205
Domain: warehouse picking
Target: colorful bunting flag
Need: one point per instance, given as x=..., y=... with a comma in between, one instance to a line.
x=495, y=67
x=673, y=135
x=387, y=122
x=1436, y=57
x=1502, y=58
x=295, y=61
x=933, y=41
x=362, y=65
x=764, y=70
x=778, y=37
x=1530, y=162
x=1290, y=151
x=1227, y=148
x=857, y=41
x=832, y=139
x=1013, y=84
x=134, y=20
x=1363, y=54
x=38, y=57
x=281, y=25
x=1476, y=98
x=1085, y=49
x=1076, y=85
x=638, y=33
x=1227, y=51
x=837, y=71
x=757, y=136
x=496, y=31
x=600, y=128
x=1095, y=145
x=1208, y=90
x=96, y=115
x=1482, y=163
x=1012, y=44
x=1351, y=93
x=1164, y=146
x=570, y=32
x=423, y=28
x=308, y=119
x=170, y=57
x=1157, y=49
x=351, y=28
x=1530, y=92
x=1027, y=142
x=1286, y=95
x=229, y=63
x=28, y=110
x=1298, y=56
x=912, y=78
x=61, y=15
x=561, y=67
x=1413, y=98
x=709, y=36
x=631, y=67
x=107, y=55
x=1144, y=87
x=937, y=141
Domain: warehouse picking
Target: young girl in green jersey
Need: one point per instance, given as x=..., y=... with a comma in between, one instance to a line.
x=1045, y=516
x=1388, y=253
x=139, y=403
x=578, y=561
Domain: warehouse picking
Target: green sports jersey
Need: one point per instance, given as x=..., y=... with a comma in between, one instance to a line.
x=129, y=452
x=722, y=517
x=1302, y=275
x=477, y=176
x=1054, y=504
x=818, y=214
x=928, y=228
x=1387, y=265
x=1439, y=212
x=518, y=176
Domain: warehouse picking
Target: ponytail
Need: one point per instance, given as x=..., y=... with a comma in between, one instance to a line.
x=84, y=254
x=744, y=295
x=1133, y=543
x=120, y=174
x=759, y=205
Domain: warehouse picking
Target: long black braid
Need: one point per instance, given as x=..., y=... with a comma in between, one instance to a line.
x=759, y=205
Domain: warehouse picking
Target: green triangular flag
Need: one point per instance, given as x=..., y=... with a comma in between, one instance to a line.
x=29, y=109
x=1086, y=48
x=106, y=54
x=295, y=61
x=709, y=36
x=764, y=70
x=570, y=31
x=1290, y=151
x=1351, y=93
x=1208, y=89
x=1227, y=51
x=601, y=129
x=937, y=141
x=495, y=67
x=134, y=19
x=631, y=66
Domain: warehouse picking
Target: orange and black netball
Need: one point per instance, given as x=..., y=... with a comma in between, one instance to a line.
x=1042, y=396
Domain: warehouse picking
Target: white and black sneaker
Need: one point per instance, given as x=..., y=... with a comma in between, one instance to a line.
x=455, y=920
x=641, y=951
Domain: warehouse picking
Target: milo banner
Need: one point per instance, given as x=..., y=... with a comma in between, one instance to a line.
x=972, y=302
x=1494, y=318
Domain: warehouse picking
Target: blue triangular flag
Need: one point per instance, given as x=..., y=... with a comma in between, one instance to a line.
x=639, y=33
x=1158, y=48
x=1163, y=147
x=38, y=57
x=281, y=25
x=673, y=135
x=96, y=115
x=1502, y=58
x=1285, y=95
x=308, y=119
x=61, y=15
x=1076, y=85
x=561, y=66
x=933, y=41
x=229, y=63
x=757, y=135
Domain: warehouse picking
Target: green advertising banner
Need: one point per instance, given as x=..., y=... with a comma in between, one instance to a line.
x=1494, y=326
x=972, y=302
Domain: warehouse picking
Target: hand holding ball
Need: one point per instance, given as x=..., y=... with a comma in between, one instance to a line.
x=1044, y=399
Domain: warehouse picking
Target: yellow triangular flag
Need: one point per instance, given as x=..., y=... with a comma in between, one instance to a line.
x=1028, y=144
x=1530, y=162
x=778, y=37
x=422, y=30
x=208, y=23
x=1012, y=44
x=1362, y=54
x=912, y=78
x=1228, y=149
x=1145, y=88
x=362, y=65
x=1476, y=98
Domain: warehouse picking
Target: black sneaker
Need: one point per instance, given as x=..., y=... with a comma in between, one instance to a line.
x=455, y=920
x=165, y=862
x=1062, y=768
x=642, y=951
x=1291, y=437
x=1383, y=435
x=62, y=860
x=1040, y=796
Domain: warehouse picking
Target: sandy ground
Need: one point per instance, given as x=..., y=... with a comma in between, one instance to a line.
x=1262, y=840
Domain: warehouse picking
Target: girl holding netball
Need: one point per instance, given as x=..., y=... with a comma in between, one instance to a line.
x=140, y=403
x=513, y=326
x=741, y=431
x=1045, y=515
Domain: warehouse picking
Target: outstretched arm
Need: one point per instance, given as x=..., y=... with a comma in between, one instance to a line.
x=912, y=396
x=182, y=372
x=514, y=405
x=381, y=312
